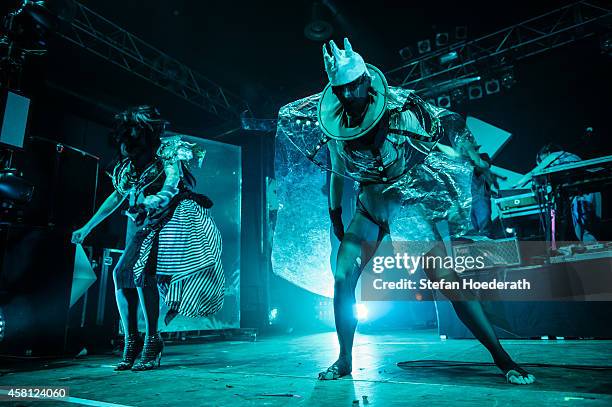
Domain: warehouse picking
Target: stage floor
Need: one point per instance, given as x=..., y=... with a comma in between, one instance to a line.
x=282, y=371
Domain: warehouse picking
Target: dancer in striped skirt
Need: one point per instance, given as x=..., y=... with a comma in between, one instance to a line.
x=173, y=246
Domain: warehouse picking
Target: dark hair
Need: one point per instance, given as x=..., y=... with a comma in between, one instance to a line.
x=147, y=123
x=547, y=149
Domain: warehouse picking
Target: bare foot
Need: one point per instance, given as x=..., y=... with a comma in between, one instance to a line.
x=518, y=375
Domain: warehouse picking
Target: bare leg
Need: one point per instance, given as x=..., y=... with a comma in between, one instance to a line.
x=470, y=311
x=153, y=343
x=149, y=298
x=127, y=304
x=350, y=263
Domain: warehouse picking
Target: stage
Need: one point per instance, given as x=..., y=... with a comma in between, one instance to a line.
x=282, y=371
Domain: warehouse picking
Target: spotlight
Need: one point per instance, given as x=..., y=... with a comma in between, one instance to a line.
x=492, y=86
x=508, y=80
x=461, y=32
x=444, y=101
x=450, y=57
x=318, y=29
x=510, y=231
x=458, y=94
x=441, y=39
x=474, y=92
x=405, y=53
x=362, y=312
x=272, y=315
x=424, y=46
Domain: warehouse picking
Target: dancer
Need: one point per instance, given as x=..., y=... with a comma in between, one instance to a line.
x=387, y=140
x=173, y=245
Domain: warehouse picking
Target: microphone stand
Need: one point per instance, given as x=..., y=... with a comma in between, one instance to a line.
x=60, y=148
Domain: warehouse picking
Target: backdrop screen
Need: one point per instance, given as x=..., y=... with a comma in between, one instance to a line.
x=219, y=178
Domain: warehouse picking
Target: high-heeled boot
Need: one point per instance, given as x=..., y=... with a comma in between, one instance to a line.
x=131, y=349
x=151, y=353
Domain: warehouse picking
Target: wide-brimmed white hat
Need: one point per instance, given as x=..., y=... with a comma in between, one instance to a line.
x=344, y=67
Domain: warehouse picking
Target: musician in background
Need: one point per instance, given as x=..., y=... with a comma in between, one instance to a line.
x=586, y=208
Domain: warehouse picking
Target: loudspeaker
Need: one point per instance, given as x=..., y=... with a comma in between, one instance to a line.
x=94, y=318
x=558, y=307
x=35, y=281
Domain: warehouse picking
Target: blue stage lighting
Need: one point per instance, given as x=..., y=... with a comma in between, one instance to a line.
x=362, y=312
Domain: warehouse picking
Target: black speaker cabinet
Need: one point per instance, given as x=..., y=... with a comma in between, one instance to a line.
x=36, y=266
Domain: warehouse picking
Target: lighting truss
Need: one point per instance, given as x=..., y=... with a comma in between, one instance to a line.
x=545, y=32
x=107, y=40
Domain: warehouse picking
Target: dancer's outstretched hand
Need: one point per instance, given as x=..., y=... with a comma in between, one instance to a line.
x=80, y=234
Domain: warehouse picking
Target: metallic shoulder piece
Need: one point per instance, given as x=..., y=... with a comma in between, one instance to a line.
x=173, y=149
x=123, y=176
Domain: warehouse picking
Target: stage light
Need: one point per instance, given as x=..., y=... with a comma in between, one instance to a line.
x=461, y=32
x=272, y=315
x=441, y=39
x=362, y=312
x=458, y=95
x=475, y=92
x=507, y=79
x=424, y=46
x=510, y=231
x=318, y=29
x=444, y=101
x=405, y=53
x=450, y=57
x=492, y=86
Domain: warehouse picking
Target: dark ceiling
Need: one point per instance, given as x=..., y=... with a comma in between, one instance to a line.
x=258, y=50
x=259, y=46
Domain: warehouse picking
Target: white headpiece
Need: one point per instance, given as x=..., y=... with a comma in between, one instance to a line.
x=345, y=65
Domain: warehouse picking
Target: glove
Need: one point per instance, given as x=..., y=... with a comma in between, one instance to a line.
x=336, y=219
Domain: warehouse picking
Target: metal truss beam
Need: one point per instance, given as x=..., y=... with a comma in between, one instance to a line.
x=547, y=31
x=107, y=40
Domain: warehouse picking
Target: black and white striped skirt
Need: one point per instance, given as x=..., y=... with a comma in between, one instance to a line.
x=181, y=254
